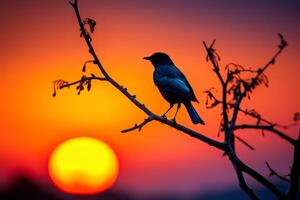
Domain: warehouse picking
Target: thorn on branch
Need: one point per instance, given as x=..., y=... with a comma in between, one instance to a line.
x=124, y=88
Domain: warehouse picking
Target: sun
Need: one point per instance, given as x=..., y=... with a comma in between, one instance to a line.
x=83, y=166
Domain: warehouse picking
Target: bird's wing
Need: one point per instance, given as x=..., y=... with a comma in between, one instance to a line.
x=174, y=73
x=174, y=86
x=181, y=75
x=169, y=71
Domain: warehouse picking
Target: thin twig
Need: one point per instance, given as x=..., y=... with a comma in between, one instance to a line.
x=87, y=78
x=212, y=57
x=295, y=172
x=245, y=143
x=268, y=128
x=139, y=126
x=274, y=173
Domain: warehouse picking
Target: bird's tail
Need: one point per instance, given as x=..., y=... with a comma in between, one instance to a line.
x=193, y=113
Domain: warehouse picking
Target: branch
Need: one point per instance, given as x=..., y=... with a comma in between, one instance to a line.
x=235, y=114
x=60, y=84
x=139, y=126
x=87, y=78
x=131, y=97
x=245, y=143
x=239, y=165
x=213, y=56
x=248, y=87
x=283, y=44
x=243, y=184
x=261, y=179
x=268, y=128
x=254, y=114
x=274, y=173
x=251, y=172
x=295, y=172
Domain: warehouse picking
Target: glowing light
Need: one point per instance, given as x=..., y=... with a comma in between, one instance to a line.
x=83, y=166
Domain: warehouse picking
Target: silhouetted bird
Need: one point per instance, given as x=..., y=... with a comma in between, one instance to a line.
x=173, y=85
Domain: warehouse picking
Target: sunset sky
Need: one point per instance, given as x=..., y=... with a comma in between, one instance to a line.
x=40, y=43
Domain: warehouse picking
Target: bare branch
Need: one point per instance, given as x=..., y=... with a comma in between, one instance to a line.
x=250, y=86
x=214, y=57
x=261, y=179
x=245, y=143
x=88, y=78
x=295, y=172
x=235, y=114
x=132, y=98
x=274, y=173
x=251, y=172
x=243, y=184
x=60, y=84
x=139, y=126
x=268, y=128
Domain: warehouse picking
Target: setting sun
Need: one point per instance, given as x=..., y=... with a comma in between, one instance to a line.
x=83, y=166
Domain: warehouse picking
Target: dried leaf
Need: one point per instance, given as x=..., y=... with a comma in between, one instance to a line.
x=91, y=23
x=89, y=85
x=84, y=68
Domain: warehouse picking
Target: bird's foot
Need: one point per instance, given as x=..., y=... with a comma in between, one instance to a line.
x=174, y=120
x=164, y=116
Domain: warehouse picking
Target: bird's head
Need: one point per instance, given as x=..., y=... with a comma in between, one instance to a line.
x=159, y=58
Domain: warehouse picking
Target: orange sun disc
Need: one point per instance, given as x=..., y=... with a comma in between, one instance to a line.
x=83, y=166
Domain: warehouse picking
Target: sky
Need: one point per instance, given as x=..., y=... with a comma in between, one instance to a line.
x=40, y=43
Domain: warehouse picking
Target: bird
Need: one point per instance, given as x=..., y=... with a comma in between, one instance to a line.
x=173, y=85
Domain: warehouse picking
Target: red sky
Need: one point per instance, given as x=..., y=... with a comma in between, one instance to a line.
x=40, y=43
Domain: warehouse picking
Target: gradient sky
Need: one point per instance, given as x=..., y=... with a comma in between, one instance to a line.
x=40, y=43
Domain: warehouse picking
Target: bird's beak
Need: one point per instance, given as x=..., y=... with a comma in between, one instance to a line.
x=146, y=58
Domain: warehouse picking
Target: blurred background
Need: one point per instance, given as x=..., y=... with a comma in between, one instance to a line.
x=40, y=43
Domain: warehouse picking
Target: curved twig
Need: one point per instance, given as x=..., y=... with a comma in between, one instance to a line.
x=139, y=126
x=268, y=128
x=274, y=173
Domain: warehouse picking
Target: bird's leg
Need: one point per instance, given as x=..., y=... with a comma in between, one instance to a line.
x=178, y=106
x=171, y=106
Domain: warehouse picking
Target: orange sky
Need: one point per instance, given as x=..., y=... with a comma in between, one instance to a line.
x=40, y=43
